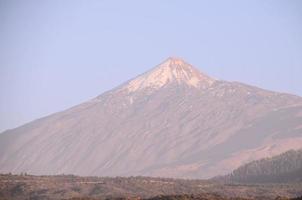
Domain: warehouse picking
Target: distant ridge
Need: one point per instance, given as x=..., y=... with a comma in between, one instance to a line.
x=283, y=168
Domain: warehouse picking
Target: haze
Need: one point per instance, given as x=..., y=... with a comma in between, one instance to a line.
x=56, y=54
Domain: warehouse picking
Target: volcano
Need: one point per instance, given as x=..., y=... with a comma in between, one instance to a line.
x=172, y=121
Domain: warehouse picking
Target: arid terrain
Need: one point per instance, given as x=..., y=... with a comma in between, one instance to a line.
x=21, y=187
x=151, y=100
x=278, y=177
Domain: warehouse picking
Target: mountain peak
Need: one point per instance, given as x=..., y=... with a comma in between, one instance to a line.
x=175, y=61
x=172, y=70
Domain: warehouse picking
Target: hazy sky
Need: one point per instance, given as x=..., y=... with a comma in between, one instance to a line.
x=56, y=54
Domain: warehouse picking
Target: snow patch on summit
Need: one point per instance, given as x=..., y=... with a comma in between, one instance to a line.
x=172, y=70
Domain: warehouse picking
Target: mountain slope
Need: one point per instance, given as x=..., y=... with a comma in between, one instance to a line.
x=172, y=121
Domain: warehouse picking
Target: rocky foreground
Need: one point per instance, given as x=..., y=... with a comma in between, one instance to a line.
x=22, y=187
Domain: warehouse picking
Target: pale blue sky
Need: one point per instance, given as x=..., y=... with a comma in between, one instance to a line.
x=57, y=53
